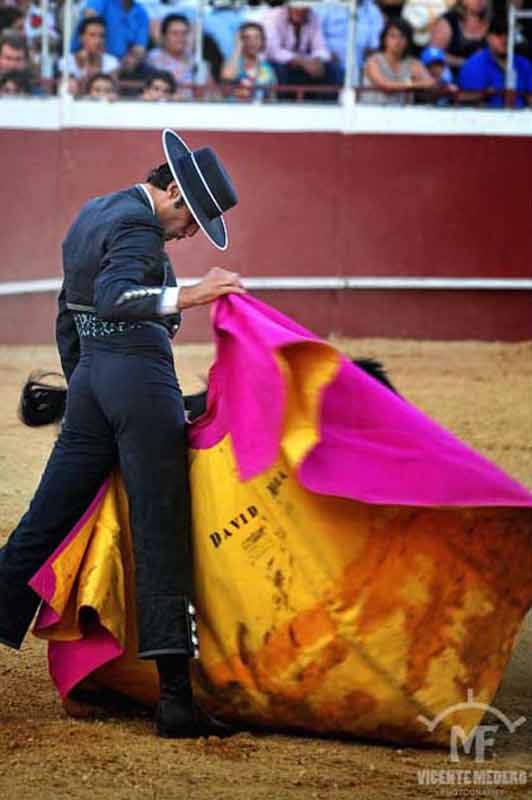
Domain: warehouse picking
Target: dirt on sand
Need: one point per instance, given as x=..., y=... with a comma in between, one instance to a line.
x=480, y=391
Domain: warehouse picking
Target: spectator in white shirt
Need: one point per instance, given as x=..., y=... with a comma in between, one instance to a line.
x=91, y=57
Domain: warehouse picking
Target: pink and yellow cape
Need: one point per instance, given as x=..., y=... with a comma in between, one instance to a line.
x=357, y=567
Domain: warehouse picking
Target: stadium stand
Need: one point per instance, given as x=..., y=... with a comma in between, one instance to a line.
x=316, y=48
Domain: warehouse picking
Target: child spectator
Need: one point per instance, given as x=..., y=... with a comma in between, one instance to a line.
x=393, y=67
x=369, y=25
x=486, y=68
x=462, y=31
x=161, y=86
x=296, y=47
x=247, y=68
x=91, y=57
x=126, y=25
x=434, y=60
x=101, y=86
x=73, y=86
x=175, y=54
x=14, y=84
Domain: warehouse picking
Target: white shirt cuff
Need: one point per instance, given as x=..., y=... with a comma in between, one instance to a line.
x=169, y=302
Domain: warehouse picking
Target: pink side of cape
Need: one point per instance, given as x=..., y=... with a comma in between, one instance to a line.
x=374, y=446
x=70, y=662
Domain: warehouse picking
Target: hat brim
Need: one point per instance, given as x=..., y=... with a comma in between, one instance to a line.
x=214, y=229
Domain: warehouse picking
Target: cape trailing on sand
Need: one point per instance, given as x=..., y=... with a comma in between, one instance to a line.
x=357, y=567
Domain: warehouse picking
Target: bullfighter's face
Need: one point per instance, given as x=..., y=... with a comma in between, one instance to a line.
x=175, y=216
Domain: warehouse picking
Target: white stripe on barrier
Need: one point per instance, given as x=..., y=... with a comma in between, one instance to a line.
x=316, y=283
x=54, y=114
x=30, y=287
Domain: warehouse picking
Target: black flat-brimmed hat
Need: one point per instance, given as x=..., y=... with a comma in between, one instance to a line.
x=204, y=184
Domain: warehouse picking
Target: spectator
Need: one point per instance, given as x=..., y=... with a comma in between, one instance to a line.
x=101, y=86
x=15, y=83
x=161, y=86
x=91, y=57
x=369, y=25
x=126, y=25
x=32, y=28
x=296, y=47
x=434, y=60
x=133, y=74
x=393, y=67
x=247, y=68
x=211, y=53
x=175, y=55
x=157, y=11
x=486, y=69
x=11, y=20
x=13, y=53
x=461, y=31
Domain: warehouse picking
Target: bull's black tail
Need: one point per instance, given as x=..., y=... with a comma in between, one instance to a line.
x=376, y=370
x=42, y=400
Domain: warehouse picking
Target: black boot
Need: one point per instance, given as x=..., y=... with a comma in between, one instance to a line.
x=178, y=716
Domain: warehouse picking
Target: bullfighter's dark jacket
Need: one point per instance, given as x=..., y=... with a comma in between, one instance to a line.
x=115, y=267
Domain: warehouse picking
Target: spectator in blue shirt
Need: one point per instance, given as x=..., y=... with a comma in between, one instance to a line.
x=369, y=26
x=486, y=68
x=126, y=25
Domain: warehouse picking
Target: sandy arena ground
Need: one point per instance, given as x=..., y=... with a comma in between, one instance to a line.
x=482, y=392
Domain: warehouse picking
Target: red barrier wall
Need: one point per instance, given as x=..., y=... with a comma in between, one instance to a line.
x=310, y=204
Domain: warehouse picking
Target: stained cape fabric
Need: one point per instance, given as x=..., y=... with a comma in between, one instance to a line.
x=358, y=569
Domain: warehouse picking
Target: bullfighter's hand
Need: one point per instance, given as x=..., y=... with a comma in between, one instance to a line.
x=214, y=284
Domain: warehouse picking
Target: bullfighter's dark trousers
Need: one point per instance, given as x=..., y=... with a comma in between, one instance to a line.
x=124, y=406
